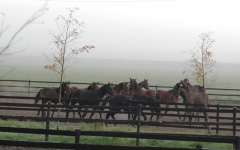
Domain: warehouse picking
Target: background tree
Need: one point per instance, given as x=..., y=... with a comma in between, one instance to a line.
x=66, y=46
x=201, y=65
x=13, y=40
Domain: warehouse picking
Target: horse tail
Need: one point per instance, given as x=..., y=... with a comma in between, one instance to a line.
x=38, y=95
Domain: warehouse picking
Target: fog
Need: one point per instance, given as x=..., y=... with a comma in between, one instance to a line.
x=157, y=30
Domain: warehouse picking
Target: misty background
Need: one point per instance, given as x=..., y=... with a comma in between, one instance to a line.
x=155, y=30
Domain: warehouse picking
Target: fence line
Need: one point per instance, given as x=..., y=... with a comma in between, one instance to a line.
x=221, y=139
x=155, y=86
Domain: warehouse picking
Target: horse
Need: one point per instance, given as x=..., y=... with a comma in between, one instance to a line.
x=190, y=97
x=167, y=96
x=144, y=84
x=135, y=89
x=114, y=101
x=194, y=88
x=92, y=86
x=94, y=94
x=120, y=88
x=52, y=93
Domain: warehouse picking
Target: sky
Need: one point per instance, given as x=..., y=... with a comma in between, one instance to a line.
x=146, y=30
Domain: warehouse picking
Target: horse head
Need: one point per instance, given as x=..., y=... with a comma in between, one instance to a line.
x=145, y=84
x=125, y=87
x=186, y=81
x=185, y=86
x=176, y=91
x=95, y=85
x=109, y=89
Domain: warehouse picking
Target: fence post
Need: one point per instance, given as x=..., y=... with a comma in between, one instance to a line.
x=29, y=86
x=43, y=103
x=234, y=124
x=129, y=110
x=217, y=126
x=47, y=120
x=139, y=122
x=77, y=136
x=237, y=143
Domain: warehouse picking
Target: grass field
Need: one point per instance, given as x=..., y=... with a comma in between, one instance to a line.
x=116, y=71
x=102, y=140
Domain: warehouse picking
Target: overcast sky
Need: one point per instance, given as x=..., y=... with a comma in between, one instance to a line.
x=157, y=30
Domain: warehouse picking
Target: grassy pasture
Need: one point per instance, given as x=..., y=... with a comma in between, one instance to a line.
x=116, y=71
x=101, y=140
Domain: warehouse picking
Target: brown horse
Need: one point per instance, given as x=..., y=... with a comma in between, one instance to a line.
x=135, y=89
x=92, y=86
x=194, y=88
x=144, y=84
x=52, y=93
x=190, y=97
x=167, y=96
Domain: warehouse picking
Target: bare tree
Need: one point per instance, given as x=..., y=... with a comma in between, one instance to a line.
x=12, y=41
x=201, y=65
x=70, y=30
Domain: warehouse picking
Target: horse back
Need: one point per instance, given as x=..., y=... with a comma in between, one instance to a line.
x=48, y=92
x=166, y=96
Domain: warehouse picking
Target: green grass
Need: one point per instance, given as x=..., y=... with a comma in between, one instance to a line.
x=99, y=140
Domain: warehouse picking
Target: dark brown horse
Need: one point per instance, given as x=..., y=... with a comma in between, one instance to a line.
x=135, y=89
x=82, y=95
x=139, y=99
x=190, y=97
x=167, y=96
x=92, y=86
x=52, y=93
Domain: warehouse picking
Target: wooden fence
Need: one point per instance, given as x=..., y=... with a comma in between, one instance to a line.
x=231, y=123
x=217, y=95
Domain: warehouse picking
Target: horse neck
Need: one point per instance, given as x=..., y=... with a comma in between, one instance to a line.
x=89, y=87
x=101, y=91
x=63, y=91
x=140, y=84
x=118, y=88
x=187, y=96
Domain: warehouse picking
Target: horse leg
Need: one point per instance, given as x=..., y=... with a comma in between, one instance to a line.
x=166, y=110
x=145, y=118
x=79, y=112
x=92, y=114
x=43, y=111
x=176, y=106
x=54, y=109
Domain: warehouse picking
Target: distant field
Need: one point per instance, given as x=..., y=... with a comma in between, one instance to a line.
x=116, y=71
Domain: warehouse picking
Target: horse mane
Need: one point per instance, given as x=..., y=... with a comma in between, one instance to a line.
x=120, y=85
x=89, y=87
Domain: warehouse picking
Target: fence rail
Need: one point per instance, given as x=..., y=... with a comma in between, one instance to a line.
x=230, y=124
x=31, y=88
